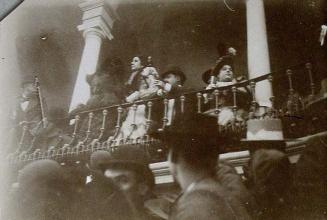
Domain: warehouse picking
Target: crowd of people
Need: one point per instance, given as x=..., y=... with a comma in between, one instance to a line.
x=119, y=184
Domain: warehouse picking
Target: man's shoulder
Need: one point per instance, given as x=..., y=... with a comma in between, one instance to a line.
x=208, y=184
x=208, y=200
x=207, y=194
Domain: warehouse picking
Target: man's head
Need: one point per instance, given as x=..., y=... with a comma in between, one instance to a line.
x=193, y=141
x=195, y=154
x=43, y=190
x=128, y=169
x=222, y=72
x=97, y=83
x=174, y=76
x=127, y=180
x=172, y=79
x=225, y=73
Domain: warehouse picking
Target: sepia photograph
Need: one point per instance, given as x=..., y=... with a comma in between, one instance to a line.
x=163, y=109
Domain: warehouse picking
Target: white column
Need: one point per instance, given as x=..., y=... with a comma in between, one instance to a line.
x=93, y=39
x=258, y=52
x=96, y=26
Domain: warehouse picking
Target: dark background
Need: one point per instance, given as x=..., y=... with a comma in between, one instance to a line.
x=174, y=33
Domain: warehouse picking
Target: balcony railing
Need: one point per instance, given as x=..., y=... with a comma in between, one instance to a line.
x=99, y=129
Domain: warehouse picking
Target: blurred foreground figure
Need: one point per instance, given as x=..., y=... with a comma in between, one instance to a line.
x=270, y=178
x=310, y=181
x=40, y=193
x=98, y=189
x=128, y=170
x=193, y=157
x=232, y=181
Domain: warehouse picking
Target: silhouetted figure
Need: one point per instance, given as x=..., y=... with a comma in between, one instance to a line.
x=270, y=178
x=193, y=153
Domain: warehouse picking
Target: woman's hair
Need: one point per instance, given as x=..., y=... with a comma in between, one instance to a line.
x=143, y=59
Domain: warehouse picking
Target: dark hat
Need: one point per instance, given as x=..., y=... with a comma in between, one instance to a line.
x=99, y=157
x=222, y=61
x=253, y=145
x=207, y=75
x=175, y=71
x=191, y=129
x=131, y=157
x=41, y=172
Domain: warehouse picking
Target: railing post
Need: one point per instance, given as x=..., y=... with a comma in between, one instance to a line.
x=182, y=98
x=272, y=99
x=89, y=124
x=312, y=84
x=74, y=135
x=103, y=126
x=165, y=118
x=253, y=102
x=22, y=138
x=234, y=108
x=148, y=120
x=199, y=97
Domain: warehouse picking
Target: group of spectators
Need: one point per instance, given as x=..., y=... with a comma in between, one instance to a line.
x=119, y=184
x=47, y=128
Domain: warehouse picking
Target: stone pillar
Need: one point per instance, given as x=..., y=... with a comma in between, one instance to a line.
x=96, y=26
x=258, y=52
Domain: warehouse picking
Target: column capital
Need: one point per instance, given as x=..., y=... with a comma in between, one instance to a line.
x=93, y=31
x=97, y=14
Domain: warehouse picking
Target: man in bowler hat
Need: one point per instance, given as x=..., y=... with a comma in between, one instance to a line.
x=172, y=81
x=133, y=180
x=171, y=85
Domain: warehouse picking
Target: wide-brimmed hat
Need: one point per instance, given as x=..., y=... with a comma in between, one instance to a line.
x=253, y=145
x=175, y=71
x=130, y=157
x=222, y=61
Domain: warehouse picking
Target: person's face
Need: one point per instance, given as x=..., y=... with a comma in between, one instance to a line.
x=136, y=64
x=225, y=74
x=171, y=79
x=124, y=179
x=96, y=86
